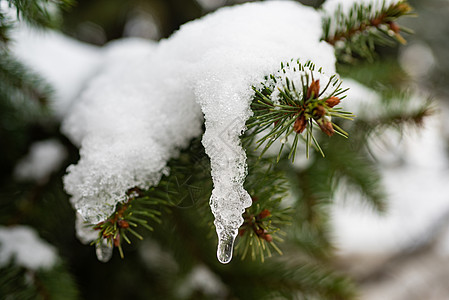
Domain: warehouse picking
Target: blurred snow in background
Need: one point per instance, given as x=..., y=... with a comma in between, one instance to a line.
x=23, y=246
x=404, y=253
x=44, y=158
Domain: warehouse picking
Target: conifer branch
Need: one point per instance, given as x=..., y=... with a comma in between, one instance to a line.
x=358, y=31
x=5, y=25
x=16, y=82
x=54, y=283
x=290, y=279
x=263, y=220
x=37, y=13
x=145, y=207
x=292, y=102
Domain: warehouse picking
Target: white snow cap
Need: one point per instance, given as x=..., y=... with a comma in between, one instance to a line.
x=129, y=122
x=147, y=104
x=22, y=244
x=44, y=158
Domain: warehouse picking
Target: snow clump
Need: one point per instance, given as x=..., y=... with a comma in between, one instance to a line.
x=147, y=104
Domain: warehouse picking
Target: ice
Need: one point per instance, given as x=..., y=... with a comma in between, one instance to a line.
x=84, y=231
x=104, y=250
x=233, y=57
x=22, y=245
x=44, y=158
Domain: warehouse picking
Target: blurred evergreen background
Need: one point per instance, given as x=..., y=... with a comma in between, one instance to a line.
x=148, y=271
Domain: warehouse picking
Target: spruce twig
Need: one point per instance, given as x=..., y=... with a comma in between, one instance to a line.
x=282, y=108
x=358, y=31
x=261, y=229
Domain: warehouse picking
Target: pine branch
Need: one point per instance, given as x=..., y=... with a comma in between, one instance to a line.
x=352, y=167
x=292, y=102
x=357, y=32
x=288, y=279
x=5, y=25
x=19, y=283
x=313, y=188
x=37, y=13
x=17, y=82
x=398, y=111
x=261, y=229
x=189, y=180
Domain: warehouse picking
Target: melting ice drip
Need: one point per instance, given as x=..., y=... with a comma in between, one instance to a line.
x=226, y=238
x=103, y=250
x=228, y=202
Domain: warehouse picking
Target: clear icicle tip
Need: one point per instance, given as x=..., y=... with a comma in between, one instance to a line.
x=225, y=248
x=103, y=250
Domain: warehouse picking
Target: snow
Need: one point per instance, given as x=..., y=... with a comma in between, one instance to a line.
x=361, y=100
x=331, y=6
x=417, y=59
x=415, y=172
x=129, y=122
x=65, y=63
x=234, y=56
x=22, y=245
x=157, y=258
x=84, y=231
x=147, y=101
x=44, y=158
x=202, y=279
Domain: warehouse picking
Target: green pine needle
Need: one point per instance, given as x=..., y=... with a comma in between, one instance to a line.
x=279, y=105
x=357, y=32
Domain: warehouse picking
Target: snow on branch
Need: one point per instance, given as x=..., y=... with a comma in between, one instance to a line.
x=142, y=108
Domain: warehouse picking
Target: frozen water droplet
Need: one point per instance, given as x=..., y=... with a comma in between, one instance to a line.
x=225, y=245
x=103, y=251
x=284, y=140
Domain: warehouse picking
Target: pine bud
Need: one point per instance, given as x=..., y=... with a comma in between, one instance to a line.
x=300, y=124
x=260, y=232
x=268, y=237
x=326, y=127
x=319, y=112
x=242, y=231
x=376, y=22
x=403, y=8
x=332, y=101
x=122, y=224
x=314, y=89
x=117, y=240
x=394, y=27
x=264, y=213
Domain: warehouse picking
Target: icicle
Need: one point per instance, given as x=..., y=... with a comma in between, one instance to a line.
x=103, y=250
x=225, y=247
x=228, y=218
